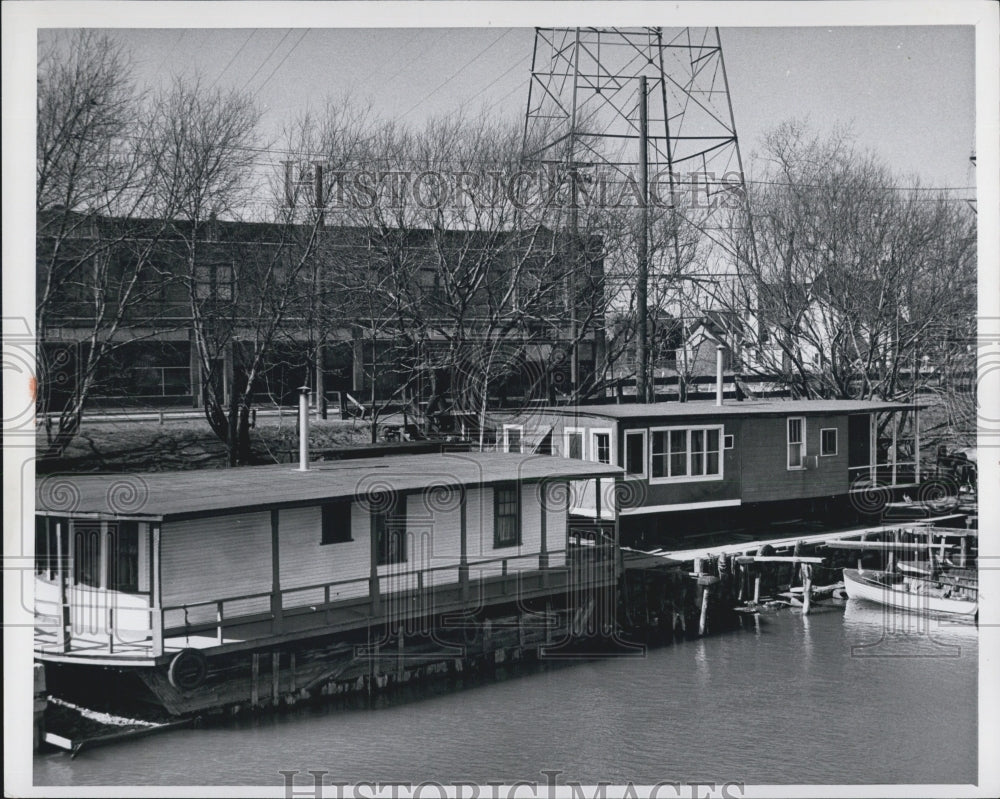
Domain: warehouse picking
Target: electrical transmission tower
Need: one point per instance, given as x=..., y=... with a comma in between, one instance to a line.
x=585, y=118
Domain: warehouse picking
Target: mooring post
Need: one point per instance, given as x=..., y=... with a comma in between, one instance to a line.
x=254, y=678
x=703, y=620
x=806, y=587
x=275, y=676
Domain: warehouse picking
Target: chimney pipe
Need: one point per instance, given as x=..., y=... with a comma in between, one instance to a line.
x=303, y=428
x=718, y=374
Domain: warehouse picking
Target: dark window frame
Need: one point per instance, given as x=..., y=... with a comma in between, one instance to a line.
x=507, y=498
x=823, y=451
x=642, y=435
x=389, y=528
x=122, y=557
x=333, y=529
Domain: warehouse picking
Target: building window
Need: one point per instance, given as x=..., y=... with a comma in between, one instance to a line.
x=336, y=524
x=828, y=441
x=214, y=281
x=512, y=437
x=686, y=453
x=601, y=446
x=389, y=529
x=704, y=452
x=123, y=557
x=796, y=442
x=635, y=453
x=729, y=442
x=87, y=555
x=43, y=559
x=506, y=517
x=573, y=440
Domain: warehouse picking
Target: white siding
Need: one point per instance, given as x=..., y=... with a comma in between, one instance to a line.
x=209, y=559
x=303, y=561
x=216, y=557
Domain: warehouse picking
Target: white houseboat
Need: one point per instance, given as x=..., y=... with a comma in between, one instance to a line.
x=184, y=578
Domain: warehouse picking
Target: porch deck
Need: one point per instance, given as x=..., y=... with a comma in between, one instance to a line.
x=586, y=568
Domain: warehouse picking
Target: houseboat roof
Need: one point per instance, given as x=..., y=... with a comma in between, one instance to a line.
x=212, y=491
x=731, y=408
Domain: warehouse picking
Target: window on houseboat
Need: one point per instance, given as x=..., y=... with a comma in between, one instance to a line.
x=47, y=547
x=691, y=452
x=796, y=442
x=704, y=452
x=512, y=438
x=828, y=441
x=87, y=555
x=602, y=447
x=390, y=530
x=42, y=557
x=336, y=522
x=122, y=555
x=635, y=452
x=574, y=444
x=506, y=517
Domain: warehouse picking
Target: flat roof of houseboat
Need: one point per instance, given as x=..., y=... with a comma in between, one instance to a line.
x=212, y=491
x=729, y=408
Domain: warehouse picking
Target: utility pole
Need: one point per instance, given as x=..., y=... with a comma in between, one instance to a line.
x=642, y=286
x=318, y=202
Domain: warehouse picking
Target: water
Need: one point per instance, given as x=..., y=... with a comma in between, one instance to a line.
x=846, y=695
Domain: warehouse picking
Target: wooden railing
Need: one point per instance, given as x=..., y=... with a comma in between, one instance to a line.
x=579, y=560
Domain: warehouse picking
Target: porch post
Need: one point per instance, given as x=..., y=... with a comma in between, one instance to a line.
x=156, y=589
x=62, y=558
x=373, y=586
x=276, y=619
x=895, y=434
x=543, y=553
x=463, y=561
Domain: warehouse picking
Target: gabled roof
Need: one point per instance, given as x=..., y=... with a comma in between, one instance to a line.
x=205, y=492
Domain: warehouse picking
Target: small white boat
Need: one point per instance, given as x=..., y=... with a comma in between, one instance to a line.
x=918, y=594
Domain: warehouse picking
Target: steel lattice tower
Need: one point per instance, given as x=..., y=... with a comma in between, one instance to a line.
x=583, y=115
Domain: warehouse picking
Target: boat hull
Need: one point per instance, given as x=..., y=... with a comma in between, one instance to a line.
x=875, y=586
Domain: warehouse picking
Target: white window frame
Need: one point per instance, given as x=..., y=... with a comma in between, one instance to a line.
x=506, y=437
x=645, y=454
x=802, y=443
x=728, y=441
x=594, y=433
x=688, y=478
x=567, y=432
x=836, y=441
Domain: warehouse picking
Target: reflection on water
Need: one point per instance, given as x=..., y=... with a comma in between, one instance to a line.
x=882, y=631
x=787, y=699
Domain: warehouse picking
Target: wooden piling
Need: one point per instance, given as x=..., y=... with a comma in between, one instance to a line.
x=703, y=620
x=275, y=676
x=254, y=678
x=806, y=569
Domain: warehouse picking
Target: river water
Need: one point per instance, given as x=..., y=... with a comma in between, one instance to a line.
x=846, y=695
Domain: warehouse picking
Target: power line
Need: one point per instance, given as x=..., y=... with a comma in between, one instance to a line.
x=231, y=60
x=273, y=51
x=283, y=60
x=456, y=73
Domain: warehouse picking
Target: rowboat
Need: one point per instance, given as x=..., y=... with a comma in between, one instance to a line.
x=939, y=594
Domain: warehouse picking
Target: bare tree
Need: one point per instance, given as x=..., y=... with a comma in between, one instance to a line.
x=94, y=274
x=240, y=292
x=849, y=270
